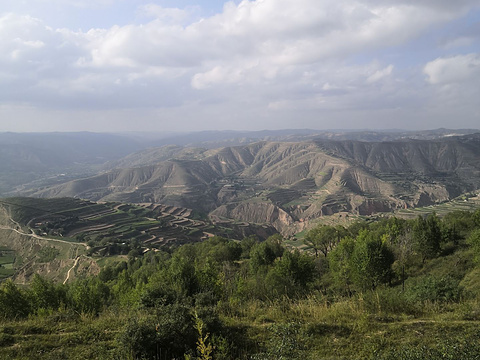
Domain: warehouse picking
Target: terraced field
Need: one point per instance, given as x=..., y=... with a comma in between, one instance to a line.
x=66, y=237
x=463, y=203
x=114, y=228
x=7, y=259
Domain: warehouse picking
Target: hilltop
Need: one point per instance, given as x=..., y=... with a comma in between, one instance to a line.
x=33, y=160
x=290, y=184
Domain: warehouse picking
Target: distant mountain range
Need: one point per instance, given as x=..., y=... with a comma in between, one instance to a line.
x=32, y=160
x=291, y=183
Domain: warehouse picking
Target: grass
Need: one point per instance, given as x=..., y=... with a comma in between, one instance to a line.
x=104, y=261
x=47, y=254
x=379, y=324
x=6, y=272
x=62, y=335
x=7, y=259
x=349, y=328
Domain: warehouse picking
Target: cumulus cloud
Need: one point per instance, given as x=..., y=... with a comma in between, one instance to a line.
x=284, y=32
x=270, y=54
x=35, y=57
x=454, y=81
x=380, y=74
x=168, y=15
x=453, y=69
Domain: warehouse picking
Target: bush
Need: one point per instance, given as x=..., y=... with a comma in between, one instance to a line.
x=291, y=275
x=371, y=262
x=140, y=338
x=168, y=334
x=89, y=295
x=13, y=301
x=390, y=301
x=285, y=342
x=429, y=288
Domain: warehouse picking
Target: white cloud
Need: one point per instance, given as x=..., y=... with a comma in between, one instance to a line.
x=282, y=32
x=453, y=69
x=458, y=42
x=263, y=55
x=79, y=3
x=285, y=33
x=167, y=15
x=380, y=74
x=454, y=82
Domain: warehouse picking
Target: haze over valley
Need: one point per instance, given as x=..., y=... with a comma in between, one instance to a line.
x=287, y=181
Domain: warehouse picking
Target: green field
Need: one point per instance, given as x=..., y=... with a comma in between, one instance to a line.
x=7, y=260
x=113, y=228
x=462, y=203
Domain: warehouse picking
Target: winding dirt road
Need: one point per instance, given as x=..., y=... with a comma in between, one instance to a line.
x=41, y=237
x=72, y=268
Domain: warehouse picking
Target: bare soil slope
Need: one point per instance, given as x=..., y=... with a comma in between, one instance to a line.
x=285, y=183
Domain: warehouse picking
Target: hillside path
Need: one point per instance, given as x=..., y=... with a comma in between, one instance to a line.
x=42, y=238
x=72, y=268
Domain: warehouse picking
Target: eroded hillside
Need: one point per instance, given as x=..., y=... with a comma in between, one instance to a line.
x=290, y=184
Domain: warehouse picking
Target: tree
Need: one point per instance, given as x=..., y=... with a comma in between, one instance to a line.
x=450, y=233
x=356, y=227
x=89, y=296
x=428, y=236
x=219, y=250
x=474, y=241
x=45, y=294
x=462, y=221
x=395, y=229
x=476, y=217
x=13, y=301
x=339, y=260
x=247, y=244
x=323, y=238
x=183, y=276
x=291, y=274
x=265, y=253
x=371, y=261
x=404, y=250
x=168, y=334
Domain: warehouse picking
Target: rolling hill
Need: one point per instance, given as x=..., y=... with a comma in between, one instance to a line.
x=50, y=236
x=289, y=184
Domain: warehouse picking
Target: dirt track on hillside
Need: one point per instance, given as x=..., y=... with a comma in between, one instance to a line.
x=41, y=237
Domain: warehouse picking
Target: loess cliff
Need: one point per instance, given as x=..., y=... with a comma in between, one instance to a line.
x=287, y=184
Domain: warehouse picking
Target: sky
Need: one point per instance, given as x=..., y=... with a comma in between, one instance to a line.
x=190, y=65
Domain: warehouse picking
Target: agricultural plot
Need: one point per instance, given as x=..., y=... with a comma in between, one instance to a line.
x=462, y=203
x=7, y=259
x=114, y=228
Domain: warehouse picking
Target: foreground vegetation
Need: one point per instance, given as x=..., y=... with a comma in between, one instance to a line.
x=392, y=289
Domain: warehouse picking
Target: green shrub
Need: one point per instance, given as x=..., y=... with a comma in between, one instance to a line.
x=285, y=342
x=48, y=254
x=389, y=301
x=429, y=288
x=13, y=301
x=168, y=334
x=140, y=338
